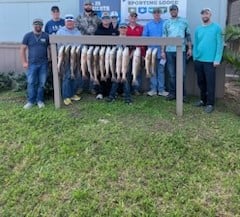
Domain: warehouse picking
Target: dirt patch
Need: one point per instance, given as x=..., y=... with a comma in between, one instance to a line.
x=232, y=96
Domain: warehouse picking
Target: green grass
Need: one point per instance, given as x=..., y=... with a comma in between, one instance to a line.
x=99, y=159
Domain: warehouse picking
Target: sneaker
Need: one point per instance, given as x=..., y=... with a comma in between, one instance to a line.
x=128, y=101
x=110, y=99
x=136, y=93
x=99, y=96
x=75, y=98
x=28, y=105
x=67, y=101
x=170, y=97
x=41, y=105
x=209, y=109
x=199, y=103
x=163, y=93
x=152, y=93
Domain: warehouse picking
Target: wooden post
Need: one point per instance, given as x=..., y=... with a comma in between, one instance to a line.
x=56, y=79
x=179, y=81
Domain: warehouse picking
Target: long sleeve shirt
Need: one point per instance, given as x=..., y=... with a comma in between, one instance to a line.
x=208, y=43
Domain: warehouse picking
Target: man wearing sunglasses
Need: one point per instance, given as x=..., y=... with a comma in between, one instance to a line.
x=37, y=44
x=89, y=21
x=176, y=27
x=155, y=29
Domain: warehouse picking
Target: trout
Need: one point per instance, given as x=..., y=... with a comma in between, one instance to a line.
x=102, y=63
x=73, y=58
x=78, y=57
x=60, y=62
x=90, y=62
x=148, y=58
x=136, y=65
x=95, y=64
x=84, y=61
x=112, y=62
x=125, y=63
x=107, y=62
x=119, y=63
x=154, y=61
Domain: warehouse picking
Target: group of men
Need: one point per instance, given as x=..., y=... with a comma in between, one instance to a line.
x=207, y=53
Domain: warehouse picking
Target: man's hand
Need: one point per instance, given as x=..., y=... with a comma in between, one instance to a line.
x=163, y=55
x=25, y=65
x=215, y=64
x=189, y=52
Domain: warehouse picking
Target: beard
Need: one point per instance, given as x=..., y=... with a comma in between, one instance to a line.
x=88, y=10
x=205, y=19
x=38, y=29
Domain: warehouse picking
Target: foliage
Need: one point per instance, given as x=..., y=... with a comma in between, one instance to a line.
x=232, y=51
x=99, y=159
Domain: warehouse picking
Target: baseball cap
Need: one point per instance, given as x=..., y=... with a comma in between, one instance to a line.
x=87, y=2
x=133, y=14
x=123, y=25
x=38, y=21
x=114, y=14
x=206, y=10
x=173, y=7
x=105, y=15
x=55, y=8
x=156, y=10
x=69, y=17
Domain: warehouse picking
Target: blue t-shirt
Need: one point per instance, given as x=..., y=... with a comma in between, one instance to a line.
x=37, y=47
x=52, y=26
x=154, y=29
x=208, y=43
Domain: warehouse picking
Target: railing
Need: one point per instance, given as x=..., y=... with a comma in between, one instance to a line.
x=113, y=40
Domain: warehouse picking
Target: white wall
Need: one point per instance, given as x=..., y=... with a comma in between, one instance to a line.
x=16, y=16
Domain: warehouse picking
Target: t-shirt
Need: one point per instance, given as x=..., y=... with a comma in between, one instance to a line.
x=37, y=47
x=52, y=26
x=101, y=30
x=176, y=27
x=154, y=29
x=208, y=43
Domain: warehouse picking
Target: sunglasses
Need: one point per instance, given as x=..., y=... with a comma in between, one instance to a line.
x=38, y=24
x=106, y=18
x=69, y=18
x=173, y=9
x=156, y=12
x=114, y=17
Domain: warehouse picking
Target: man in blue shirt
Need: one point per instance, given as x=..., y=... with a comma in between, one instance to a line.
x=207, y=54
x=176, y=27
x=55, y=23
x=155, y=29
x=36, y=43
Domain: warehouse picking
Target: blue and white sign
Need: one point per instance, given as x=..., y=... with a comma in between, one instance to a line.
x=145, y=8
x=100, y=6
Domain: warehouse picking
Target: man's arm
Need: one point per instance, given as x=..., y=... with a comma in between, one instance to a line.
x=23, y=56
x=219, y=50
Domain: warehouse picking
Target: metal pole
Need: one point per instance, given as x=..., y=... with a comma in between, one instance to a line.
x=179, y=82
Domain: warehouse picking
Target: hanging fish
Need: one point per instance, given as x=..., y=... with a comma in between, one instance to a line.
x=107, y=62
x=154, y=61
x=60, y=59
x=148, y=59
x=136, y=65
x=84, y=62
x=125, y=63
x=119, y=63
x=73, y=61
x=113, y=63
x=102, y=62
x=90, y=62
x=96, y=64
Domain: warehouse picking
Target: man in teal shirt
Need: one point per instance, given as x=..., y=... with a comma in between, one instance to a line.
x=207, y=54
x=176, y=27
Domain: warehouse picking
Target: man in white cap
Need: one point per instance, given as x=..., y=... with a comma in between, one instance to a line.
x=37, y=44
x=69, y=85
x=207, y=54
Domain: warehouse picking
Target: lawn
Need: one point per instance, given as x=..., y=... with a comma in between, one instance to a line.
x=112, y=159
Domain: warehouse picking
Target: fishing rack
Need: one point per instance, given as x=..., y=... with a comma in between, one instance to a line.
x=113, y=40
